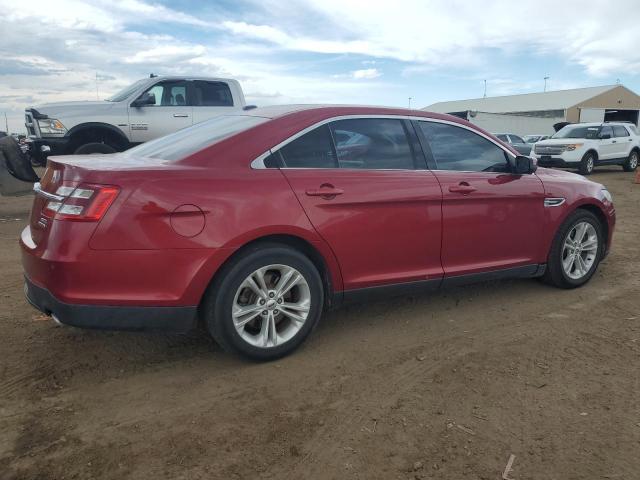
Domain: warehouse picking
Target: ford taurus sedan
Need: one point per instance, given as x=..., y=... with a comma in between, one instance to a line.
x=251, y=225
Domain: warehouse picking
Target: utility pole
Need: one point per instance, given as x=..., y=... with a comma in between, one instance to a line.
x=97, y=97
x=545, y=83
x=6, y=123
x=409, y=103
x=485, y=90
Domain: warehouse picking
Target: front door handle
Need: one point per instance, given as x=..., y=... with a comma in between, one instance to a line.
x=462, y=187
x=180, y=115
x=326, y=191
x=613, y=141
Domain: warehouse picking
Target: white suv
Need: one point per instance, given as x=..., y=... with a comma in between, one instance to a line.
x=587, y=145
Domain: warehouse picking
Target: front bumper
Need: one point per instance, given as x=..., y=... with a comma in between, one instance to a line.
x=41, y=148
x=104, y=317
x=545, y=161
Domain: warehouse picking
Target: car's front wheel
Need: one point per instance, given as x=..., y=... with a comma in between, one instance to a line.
x=576, y=251
x=632, y=162
x=265, y=303
x=587, y=164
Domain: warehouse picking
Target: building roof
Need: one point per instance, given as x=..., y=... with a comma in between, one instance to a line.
x=528, y=102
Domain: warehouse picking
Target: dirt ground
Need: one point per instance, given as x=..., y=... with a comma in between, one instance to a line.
x=445, y=385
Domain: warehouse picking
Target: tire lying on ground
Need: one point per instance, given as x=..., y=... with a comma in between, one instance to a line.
x=15, y=162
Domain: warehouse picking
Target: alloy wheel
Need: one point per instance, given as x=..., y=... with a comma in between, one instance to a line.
x=580, y=250
x=271, y=305
x=633, y=161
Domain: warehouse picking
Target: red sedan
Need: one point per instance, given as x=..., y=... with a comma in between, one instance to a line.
x=252, y=224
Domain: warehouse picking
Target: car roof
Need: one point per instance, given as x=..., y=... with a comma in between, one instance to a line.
x=330, y=110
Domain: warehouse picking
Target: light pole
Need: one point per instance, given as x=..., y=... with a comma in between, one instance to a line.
x=545, y=83
x=485, y=90
x=410, y=103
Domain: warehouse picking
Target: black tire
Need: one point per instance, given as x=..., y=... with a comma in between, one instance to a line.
x=632, y=162
x=555, y=274
x=89, y=148
x=587, y=164
x=218, y=302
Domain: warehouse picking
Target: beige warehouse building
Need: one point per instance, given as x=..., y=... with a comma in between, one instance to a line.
x=536, y=113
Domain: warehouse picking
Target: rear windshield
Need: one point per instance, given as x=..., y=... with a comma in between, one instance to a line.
x=187, y=141
x=573, y=131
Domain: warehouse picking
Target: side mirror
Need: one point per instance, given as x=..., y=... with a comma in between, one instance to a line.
x=524, y=165
x=605, y=136
x=144, y=99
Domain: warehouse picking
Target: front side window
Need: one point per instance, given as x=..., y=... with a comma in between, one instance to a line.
x=212, y=94
x=456, y=148
x=314, y=149
x=606, y=131
x=620, y=131
x=372, y=143
x=169, y=94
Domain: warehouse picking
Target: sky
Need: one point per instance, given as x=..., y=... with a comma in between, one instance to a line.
x=315, y=51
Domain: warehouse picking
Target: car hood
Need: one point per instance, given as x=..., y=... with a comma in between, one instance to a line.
x=55, y=110
x=551, y=175
x=560, y=141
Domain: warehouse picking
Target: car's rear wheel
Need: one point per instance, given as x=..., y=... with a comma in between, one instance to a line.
x=576, y=251
x=632, y=162
x=587, y=164
x=265, y=303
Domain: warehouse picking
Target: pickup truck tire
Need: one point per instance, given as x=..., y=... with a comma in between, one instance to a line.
x=632, y=162
x=587, y=164
x=89, y=148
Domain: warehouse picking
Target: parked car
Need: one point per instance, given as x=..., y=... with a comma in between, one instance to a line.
x=534, y=138
x=587, y=145
x=148, y=109
x=516, y=142
x=253, y=224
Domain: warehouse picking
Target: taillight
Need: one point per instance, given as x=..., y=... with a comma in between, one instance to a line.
x=86, y=202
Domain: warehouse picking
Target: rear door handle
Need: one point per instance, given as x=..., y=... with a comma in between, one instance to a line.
x=462, y=187
x=180, y=115
x=325, y=191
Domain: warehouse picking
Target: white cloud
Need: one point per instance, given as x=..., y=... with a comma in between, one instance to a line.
x=366, y=73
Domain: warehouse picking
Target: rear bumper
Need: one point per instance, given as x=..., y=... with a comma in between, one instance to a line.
x=105, y=317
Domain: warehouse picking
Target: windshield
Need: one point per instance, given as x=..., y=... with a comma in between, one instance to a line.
x=190, y=140
x=125, y=92
x=576, y=131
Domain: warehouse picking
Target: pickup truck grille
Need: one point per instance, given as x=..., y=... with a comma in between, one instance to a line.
x=29, y=122
x=549, y=149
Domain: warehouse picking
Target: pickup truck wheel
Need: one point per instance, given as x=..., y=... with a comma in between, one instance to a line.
x=587, y=164
x=576, y=251
x=632, y=162
x=89, y=148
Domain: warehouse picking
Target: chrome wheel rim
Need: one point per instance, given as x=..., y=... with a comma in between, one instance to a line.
x=590, y=164
x=271, y=306
x=633, y=162
x=580, y=250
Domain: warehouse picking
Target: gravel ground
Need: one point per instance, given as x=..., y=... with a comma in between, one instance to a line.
x=445, y=385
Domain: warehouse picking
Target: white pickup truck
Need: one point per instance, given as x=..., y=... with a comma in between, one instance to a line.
x=149, y=108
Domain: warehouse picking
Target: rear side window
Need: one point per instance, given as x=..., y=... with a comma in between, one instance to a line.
x=456, y=148
x=372, y=143
x=503, y=138
x=212, y=94
x=190, y=140
x=516, y=139
x=314, y=149
x=169, y=94
x=620, y=131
